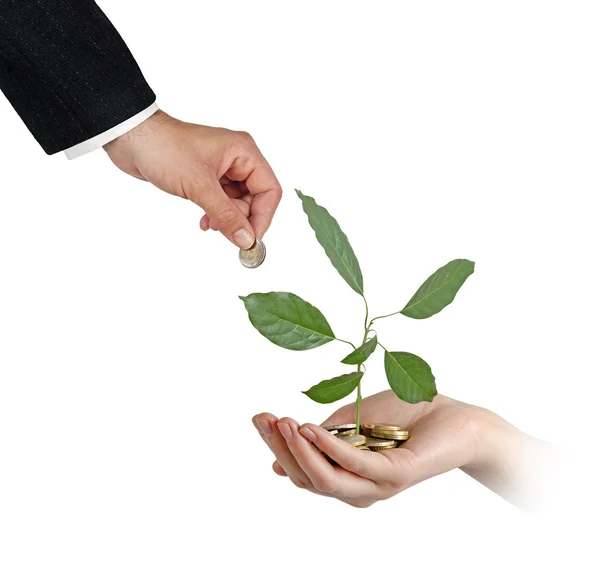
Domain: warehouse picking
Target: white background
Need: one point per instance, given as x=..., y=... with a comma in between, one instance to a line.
x=129, y=371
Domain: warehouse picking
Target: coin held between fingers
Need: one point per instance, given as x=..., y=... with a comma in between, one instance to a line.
x=254, y=256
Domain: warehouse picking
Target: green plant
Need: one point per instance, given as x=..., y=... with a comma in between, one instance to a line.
x=290, y=322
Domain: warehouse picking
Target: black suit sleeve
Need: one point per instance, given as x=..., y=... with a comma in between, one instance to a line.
x=67, y=71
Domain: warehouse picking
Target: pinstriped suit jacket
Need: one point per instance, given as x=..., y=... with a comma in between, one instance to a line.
x=67, y=71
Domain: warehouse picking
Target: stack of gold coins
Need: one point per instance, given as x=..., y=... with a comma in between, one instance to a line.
x=387, y=431
x=372, y=437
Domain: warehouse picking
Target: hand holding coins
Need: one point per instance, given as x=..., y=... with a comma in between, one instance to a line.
x=332, y=460
x=356, y=468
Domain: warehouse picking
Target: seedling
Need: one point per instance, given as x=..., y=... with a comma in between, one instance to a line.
x=291, y=322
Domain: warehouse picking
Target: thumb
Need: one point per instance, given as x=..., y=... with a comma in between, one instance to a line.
x=224, y=215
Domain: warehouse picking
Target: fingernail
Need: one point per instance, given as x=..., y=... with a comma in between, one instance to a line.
x=308, y=434
x=243, y=239
x=286, y=431
x=263, y=426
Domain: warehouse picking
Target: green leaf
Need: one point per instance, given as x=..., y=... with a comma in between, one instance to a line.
x=410, y=377
x=287, y=320
x=335, y=389
x=363, y=352
x=334, y=241
x=439, y=290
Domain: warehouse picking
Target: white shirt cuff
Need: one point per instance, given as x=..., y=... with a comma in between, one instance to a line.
x=110, y=135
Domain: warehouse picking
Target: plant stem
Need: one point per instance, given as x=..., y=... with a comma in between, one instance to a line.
x=358, y=400
x=382, y=346
x=346, y=342
x=358, y=394
x=384, y=316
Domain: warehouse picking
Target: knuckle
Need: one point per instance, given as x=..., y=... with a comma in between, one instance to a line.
x=245, y=139
x=224, y=217
x=355, y=465
x=298, y=482
x=353, y=461
x=325, y=485
x=397, y=484
x=244, y=135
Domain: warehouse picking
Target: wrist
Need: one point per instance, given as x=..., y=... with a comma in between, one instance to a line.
x=124, y=151
x=493, y=434
x=128, y=141
x=511, y=463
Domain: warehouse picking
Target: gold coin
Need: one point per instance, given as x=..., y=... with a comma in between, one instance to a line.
x=382, y=448
x=396, y=432
x=340, y=427
x=379, y=443
x=391, y=435
x=353, y=440
x=346, y=433
x=254, y=256
x=385, y=427
x=333, y=432
x=363, y=448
